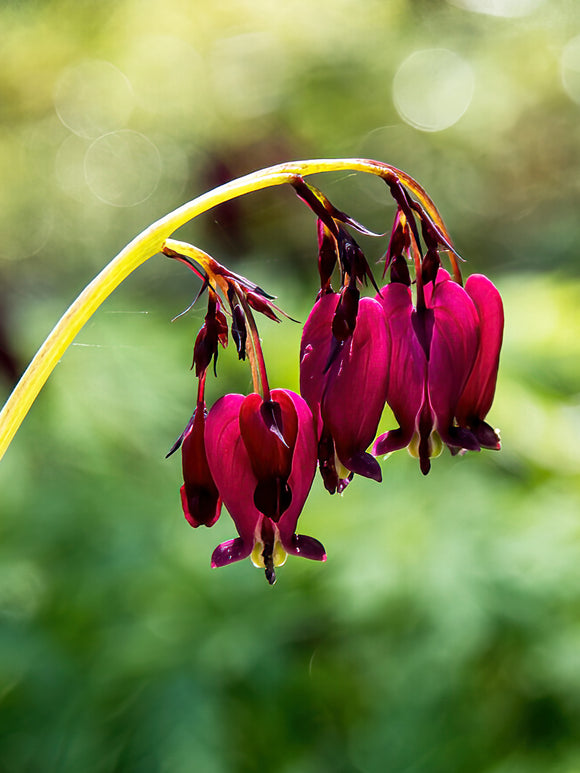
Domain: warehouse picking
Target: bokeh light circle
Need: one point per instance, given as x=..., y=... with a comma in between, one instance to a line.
x=506, y=8
x=433, y=88
x=570, y=68
x=92, y=98
x=122, y=168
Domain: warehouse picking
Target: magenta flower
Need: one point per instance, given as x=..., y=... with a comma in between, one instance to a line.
x=442, y=366
x=477, y=396
x=344, y=383
x=200, y=498
x=262, y=456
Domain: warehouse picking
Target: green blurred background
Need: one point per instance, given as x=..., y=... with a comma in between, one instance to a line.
x=443, y=633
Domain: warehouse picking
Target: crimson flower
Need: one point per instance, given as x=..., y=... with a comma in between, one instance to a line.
x=442, y=366
x=477, y=396
x=344, y=383
x=200, y=498
x=262, y=456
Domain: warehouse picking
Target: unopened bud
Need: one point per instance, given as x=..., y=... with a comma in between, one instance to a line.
x=344, y=320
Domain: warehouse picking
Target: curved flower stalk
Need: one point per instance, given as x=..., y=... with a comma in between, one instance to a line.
x=149, y=243
x=424, y=345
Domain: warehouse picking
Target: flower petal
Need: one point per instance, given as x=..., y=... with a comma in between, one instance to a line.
x=199, y=494
x=453, y=350
x=356, y=386
x=303, y=467
x=230, y=465
x=315, y=350
x=269, y=430
x=228, y=552
x=407, y=368
x=307, y=547
x=478, y=393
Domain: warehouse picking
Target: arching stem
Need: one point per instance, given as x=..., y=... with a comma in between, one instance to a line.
x=148, y=243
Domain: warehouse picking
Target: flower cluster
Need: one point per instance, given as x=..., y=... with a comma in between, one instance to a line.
x=425, y=345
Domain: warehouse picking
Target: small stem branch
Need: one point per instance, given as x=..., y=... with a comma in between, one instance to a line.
x=260, y=378
x=147, y=244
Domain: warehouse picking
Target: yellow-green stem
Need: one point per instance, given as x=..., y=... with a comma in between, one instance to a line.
x=147, y=244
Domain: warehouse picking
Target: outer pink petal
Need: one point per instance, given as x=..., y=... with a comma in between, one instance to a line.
x=228, y=552
x=407, y=368
x=230, y=466
x=315, y=350
x=477, y=396
x=354, y=396
x=300, y=482
x=453, y=351
x=307, y=547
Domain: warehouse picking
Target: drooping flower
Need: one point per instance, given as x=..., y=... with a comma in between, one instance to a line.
x=442, y=366
x=477, y=397
x=344, y=383
x=200, y=498
x=262, y=456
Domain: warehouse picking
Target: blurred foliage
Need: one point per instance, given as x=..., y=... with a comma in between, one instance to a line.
x=443, y=634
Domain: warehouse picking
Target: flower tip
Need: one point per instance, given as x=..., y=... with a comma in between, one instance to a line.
x=229, y=552
x=207, y=507
x=366, y=465
x=307, y=547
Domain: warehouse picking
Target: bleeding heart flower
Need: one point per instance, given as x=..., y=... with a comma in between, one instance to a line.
x=200, y=499
x=442, y=366
x=344, y=383
x=262, y=456
x=477, y=396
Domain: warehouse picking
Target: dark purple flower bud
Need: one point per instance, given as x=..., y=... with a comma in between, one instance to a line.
x=214, y=331
x=344, y=319
x=430, y=265
x=327, y=256
x=239, y=331
x=399, y=242
x=352, y=259
x=400, y=271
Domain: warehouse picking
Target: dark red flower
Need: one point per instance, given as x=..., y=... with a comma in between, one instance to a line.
x=442, y=366
x=200, y=499
x=344, y=382
x=477, y=396
x=262, y=456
